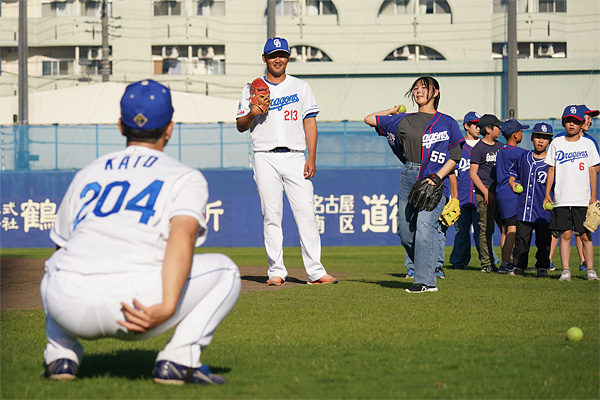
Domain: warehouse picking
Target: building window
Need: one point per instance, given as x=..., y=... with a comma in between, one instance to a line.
x=189, y=60
x=395, y=7
x=532, y=50
x=93, y=8
x=57, y=8
x=410, y=7
x=91, y=60
x=308, y=54
x=305, y=7
x=434, y=7
x=167, y=8
x=320, y=7
x=57, y=67
x=552, y=6
x=414, y=52
x=210, y=7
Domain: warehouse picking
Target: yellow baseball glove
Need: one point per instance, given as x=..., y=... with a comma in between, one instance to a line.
x=450, y=213
x=592, y=217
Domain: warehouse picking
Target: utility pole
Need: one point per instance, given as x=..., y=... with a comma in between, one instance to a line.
x=22, y=128
x=512, y=72
x=271, y=18
x=23, y=57
x=105, y=65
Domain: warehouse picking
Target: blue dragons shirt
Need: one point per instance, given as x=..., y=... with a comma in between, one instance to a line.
x=507, y=199
x=466, y=188
x=531, y=173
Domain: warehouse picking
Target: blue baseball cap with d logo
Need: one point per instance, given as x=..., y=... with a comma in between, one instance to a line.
x=276, y=44
x=574, y=111
x=146, y=105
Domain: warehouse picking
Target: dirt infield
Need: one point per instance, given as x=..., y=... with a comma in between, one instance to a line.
x=20, y=282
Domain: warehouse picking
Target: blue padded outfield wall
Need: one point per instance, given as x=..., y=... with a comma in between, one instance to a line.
x=354, y=207
x=355, y=185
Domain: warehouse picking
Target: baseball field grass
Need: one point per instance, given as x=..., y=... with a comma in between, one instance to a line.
x=482, y=335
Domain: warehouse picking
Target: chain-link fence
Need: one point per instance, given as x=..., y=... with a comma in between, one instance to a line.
x=203, y=146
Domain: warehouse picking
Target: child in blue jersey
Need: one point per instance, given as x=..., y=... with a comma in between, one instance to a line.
x=483, y=174
x=427, y=142
x=530, y=171
x=469, y=216
x=507, y=199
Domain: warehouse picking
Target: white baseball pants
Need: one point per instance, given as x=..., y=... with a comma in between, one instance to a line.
x=275, y=173
x=88, y=307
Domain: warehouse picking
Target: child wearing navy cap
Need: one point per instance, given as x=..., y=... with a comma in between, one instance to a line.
x=469, y=216
x=483, y=173
x=530, y=171
x=572, y=160
x=507, y=199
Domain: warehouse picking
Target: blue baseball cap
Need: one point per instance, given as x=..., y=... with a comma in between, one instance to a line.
x=574, y=111
x=511, y=126
x=543, y=128
x=472, y=117
x=591, y=113
x=146, y=105
x=276, y=44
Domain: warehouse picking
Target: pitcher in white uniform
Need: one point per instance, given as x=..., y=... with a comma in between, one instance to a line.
x=125, y=266
x=279, y=139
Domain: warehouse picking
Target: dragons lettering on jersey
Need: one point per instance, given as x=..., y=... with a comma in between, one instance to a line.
x=563, y=157
x=125, y=162
x=280, y=102
x=431, y=138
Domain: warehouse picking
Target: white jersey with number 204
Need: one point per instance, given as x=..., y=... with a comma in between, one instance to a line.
x=115, y=216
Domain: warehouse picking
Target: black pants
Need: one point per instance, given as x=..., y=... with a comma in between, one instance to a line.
x=543, y=239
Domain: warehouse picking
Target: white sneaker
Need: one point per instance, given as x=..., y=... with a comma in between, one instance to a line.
x=565, y=275
x=591, y=275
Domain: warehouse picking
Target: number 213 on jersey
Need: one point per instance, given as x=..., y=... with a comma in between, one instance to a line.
x=290, y=115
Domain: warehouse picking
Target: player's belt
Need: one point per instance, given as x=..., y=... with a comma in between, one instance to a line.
x=280, y=150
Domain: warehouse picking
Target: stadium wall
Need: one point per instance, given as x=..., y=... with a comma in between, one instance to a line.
x=354, y=207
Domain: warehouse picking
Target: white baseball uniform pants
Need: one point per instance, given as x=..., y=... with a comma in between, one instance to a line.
x=88, y=307
x=275, y=173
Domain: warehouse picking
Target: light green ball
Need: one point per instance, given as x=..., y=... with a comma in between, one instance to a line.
x=402, y=109
x=574, y=334
x=548, y=206
x=518, y=188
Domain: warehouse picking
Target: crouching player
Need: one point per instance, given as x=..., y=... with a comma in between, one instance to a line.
x=530, y=172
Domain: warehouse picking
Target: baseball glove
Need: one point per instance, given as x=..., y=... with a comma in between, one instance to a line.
x=450, y=213
x=592, y=217
x=424, y=196
x=260, y=96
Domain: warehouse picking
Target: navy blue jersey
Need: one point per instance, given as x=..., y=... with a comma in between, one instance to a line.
x=466, y=188
x=441, y=134
x=531, y=173
x=507, y=199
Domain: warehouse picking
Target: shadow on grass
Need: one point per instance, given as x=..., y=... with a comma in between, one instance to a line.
x=129, y=364
x=263, y=279
x=386, y=284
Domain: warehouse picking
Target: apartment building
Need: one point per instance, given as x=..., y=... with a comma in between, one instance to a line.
x=358, y=55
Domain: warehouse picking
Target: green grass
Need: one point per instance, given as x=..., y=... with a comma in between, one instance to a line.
x=481, y=336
